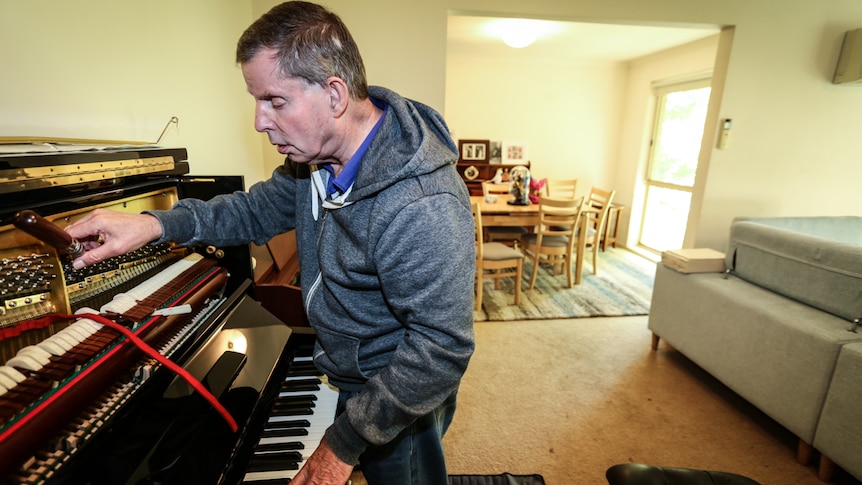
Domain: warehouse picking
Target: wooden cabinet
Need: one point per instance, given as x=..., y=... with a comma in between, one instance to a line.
x=474, y=174
x=276, y=279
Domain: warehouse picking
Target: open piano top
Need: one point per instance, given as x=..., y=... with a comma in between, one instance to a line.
x=79, y=403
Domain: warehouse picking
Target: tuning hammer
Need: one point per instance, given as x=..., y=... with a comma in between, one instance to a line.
x=48, y=232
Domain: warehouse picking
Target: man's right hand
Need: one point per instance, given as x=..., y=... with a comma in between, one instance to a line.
x=106, y=233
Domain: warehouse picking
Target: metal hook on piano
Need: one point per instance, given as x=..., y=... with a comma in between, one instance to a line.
x=173, y=120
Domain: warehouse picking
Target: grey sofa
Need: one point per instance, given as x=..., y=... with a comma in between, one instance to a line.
x=778, y=327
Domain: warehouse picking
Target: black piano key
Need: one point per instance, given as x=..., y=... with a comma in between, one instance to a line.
x=293, y=411
x=283, y=432
x=294, y=423
x=300, y=398
x=28, y=391
x=9, y=408
x=267, y=462
x=293, y=384
x=302, y=369
x=33, y=386
x=296, y=403
x=291, y=445
x=313, y=379
x=55, y=371
x=301, y=388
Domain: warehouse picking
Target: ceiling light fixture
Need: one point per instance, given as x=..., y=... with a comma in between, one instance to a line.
x=519, y=33
x=518, y=39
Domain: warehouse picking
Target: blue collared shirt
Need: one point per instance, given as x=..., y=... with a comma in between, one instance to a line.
x=336, y=186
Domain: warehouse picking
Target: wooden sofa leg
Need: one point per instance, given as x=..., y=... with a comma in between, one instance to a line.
x=826, y=469
x=655, y=339
x=804, y=452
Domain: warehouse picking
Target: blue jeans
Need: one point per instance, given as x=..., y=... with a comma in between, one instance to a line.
x=415, y=456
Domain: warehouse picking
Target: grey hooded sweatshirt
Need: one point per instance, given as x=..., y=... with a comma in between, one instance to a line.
x=387, y=276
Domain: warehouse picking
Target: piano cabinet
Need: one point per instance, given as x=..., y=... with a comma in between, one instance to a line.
x=112, y=415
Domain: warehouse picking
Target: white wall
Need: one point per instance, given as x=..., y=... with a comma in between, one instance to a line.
x=567, y=114
x=119, y=70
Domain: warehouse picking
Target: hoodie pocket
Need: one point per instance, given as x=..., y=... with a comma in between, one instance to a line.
x=338, y=355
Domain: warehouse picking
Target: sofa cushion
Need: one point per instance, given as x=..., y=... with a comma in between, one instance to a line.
x=815, y=260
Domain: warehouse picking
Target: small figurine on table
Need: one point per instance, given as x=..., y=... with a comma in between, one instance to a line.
x=520, y=186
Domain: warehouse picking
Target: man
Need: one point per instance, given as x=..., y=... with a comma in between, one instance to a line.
x=385, y=236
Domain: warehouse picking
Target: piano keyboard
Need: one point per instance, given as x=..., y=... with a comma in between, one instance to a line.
x=304, y=408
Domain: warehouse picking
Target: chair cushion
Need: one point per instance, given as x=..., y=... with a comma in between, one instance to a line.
x=591, y=231
x=549, y=241
x=495, y=251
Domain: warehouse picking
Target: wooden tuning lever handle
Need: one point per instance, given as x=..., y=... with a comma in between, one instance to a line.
x=48, y=232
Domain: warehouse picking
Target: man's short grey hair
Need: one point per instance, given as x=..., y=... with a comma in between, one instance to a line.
x=312, y=44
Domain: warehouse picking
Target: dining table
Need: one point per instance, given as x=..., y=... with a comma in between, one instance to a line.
x=497, y=211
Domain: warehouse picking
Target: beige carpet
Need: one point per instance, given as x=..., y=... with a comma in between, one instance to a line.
x=567, y=399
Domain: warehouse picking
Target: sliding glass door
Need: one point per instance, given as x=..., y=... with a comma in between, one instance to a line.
x=677, y=134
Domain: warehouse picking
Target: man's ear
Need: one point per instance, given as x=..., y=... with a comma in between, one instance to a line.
x=339, y=95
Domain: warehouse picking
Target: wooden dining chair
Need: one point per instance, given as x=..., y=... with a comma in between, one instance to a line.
x=596, y=209
x=509, y=235
x=490, y=188
x=495, y=260
x=561, y=188
x=554, y=241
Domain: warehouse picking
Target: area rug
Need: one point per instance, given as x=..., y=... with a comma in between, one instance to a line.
x=623, y=286
x=503, y=479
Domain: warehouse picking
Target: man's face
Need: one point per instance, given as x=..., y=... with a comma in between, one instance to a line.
x=294, y=114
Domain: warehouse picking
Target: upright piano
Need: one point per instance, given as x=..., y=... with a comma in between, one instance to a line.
x=156, y=366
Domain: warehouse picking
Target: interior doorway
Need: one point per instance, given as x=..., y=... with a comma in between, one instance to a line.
x=680, y=115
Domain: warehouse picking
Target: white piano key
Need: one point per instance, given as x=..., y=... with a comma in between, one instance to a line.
x=52, y=347
x=273, y=475
x=84, y=310
x=7, y=381
x=24, y=362
x=37, y=353
x=86, y=322
x=86, y=326
x=309, y=443
x=66, y=341
x=78, y=334
x=122, y=302
x=12, y=373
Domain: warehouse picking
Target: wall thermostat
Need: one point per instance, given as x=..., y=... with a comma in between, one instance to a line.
x=725, y=132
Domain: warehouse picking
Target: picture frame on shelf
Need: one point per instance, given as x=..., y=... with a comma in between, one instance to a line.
x=514, y=152
x=496, y=152
x=473, y=151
